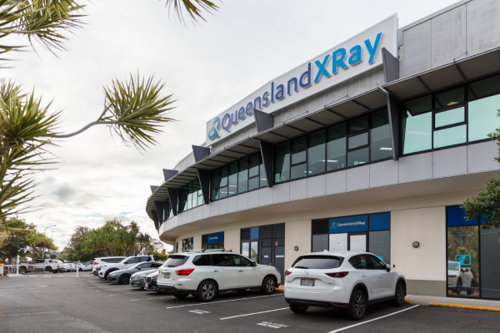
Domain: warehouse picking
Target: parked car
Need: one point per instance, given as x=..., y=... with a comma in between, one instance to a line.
x=139, y=279
x=460, y=277
x=104, y=270
x=83, y=267
x=344, y=280
x=207, y=273
x=122, y=276
x=41, y=264
x=150, y=282
x=98, y=262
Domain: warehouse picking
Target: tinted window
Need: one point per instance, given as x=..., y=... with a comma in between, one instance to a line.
x=146, y=258
x=317, y=262
x=240, y=261
x=361, y=262
x=377, y=263
x=175, y=260
x=222, y=260
x=133, y=260
x=39, y=261
x=202, y=260
x=156, y=264
x=144, y=265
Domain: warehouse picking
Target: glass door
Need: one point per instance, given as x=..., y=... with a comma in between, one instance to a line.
x=338, y=242
x=357, y=243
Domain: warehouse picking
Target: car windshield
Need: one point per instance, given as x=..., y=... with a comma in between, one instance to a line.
x=175, y=260
x=123, y=260
x=135, y=266
x=317, y=262
x=452, y=266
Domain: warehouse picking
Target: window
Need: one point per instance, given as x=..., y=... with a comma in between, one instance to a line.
x=356, y=142
x=451, y=117
x=190, y=196
x=133, y=260
x=167, y=210
x=241, y=261
x=241, y=176
x=222, y=260
x=317, y=262
x=175, y=260
x=249, y=243
x=187, y=244
x=202, y=260
x=213, y=241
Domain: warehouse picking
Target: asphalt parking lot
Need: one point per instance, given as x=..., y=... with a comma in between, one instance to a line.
x=62, y=303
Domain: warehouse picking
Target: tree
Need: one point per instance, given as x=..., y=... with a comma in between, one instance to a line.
x=134, y=110
x=486, y=204
x=38, y=243
x=13, y=243
x=53, y=256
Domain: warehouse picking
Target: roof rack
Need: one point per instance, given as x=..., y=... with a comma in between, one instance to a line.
x=216, y=250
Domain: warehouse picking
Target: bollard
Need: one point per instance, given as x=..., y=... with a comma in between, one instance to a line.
x=77, y=269
x=17, y=268
x=1, y=269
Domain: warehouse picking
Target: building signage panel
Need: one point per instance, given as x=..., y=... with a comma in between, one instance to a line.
x=349, y=224
x=352, y=57
x=215, y=238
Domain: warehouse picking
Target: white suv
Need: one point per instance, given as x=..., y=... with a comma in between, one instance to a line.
x=345, y=280
x=98, y=262
x=205, y=274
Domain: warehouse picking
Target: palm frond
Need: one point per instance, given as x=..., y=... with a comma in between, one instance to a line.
x=194, y=8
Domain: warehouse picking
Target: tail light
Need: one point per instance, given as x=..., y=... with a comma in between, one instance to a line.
x=57, y=266
x=287, y=273
x=159, y=271
x=96, y=263
x=337, y=275
x=184, y=272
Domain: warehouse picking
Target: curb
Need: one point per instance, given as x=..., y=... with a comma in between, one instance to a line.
x=470, y=307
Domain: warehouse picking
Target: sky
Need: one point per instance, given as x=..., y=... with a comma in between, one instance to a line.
x=207, y=67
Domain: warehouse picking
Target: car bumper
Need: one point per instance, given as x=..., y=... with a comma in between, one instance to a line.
x=137, y=283
x=113, y=278
x=170, y=288
x=322, y=304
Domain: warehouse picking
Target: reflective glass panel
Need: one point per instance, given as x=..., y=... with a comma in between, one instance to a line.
x=380, y=136
x=336, y=148
x=358, y=141
x=417, y=125
x=450, y=97
x=263, y=178
x=253, y=183
x=299, y=171
x=254, y=251
x=357, y=125
x=223, y=192
x=316, y=153
x=484, y=100
x=254, y=171
x=215, y=185
x=243, y=176
x=463, y=261
x=282, y=162
x=320, y=243
x=490, y=263
x=450, y=136
x=358, y=157
x=299, y=143
x=357, y=243
x=245, y=249
x=380, y=244
x=338, y=242
x=449, y=117
x=233, y=179
x=299, y=157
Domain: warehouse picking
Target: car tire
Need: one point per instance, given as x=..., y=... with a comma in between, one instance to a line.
x=357, y=305
x=124, y=279
x=399, y=300
x=241, y=291
x=268, y=285
x=207, y=291
x=48, y=269
x=458, y=289
x=470, y=290
x=181, y=295
x=298, y=309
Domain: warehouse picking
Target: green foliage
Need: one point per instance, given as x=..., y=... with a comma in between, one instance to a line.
x=194, y=8
x=13, y=243
x=53, y=256
x=158, y=255
x=38, y=243
x=486, y=203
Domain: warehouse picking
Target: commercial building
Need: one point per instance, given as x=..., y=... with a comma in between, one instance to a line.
x=372, y=145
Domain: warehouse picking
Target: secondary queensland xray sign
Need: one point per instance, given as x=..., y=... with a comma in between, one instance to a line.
x=349, y=224
x=352, y=57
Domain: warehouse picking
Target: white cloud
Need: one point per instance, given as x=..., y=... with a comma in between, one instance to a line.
x=208, y=67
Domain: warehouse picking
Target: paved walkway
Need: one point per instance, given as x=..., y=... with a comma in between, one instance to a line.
x=470, y=303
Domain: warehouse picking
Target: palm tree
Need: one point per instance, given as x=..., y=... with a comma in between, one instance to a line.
x=134, y=110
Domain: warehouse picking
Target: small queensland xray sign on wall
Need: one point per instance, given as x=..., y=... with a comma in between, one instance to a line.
x=350, y=58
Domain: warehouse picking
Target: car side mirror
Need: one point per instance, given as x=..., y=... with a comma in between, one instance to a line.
x=388, y=267
x=138, y=268
x=126, y=262
x=254, y=263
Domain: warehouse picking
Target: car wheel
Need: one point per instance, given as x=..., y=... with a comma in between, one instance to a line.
x=124, y=279
x=48, y=269
x=458, y=290
x=399, y=300
x=357, y=306
x=181, y=295
x=22, y=270
x=242, y=291
x=268, y=285
x=207, y=291
x=298, y=309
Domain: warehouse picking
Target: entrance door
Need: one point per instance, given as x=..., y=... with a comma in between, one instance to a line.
x=338, y=242
x=272, y=247
x=357, y=243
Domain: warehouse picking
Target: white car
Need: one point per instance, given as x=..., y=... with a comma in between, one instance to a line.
x=104, y=270
x=207, y=273
x=460, y=278
x=344, y=280
x=98, y=262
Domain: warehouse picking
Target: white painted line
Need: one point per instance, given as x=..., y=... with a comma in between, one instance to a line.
x=122, y=294
x=368, y=321
x=251, y=314
x=231, y=300
x=146, y=299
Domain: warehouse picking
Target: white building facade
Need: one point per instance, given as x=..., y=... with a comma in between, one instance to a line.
x=372, y=145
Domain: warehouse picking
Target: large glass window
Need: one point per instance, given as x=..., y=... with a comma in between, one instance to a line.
x=316, y=153
x=336, y=148
x=213, y=241
x=187, y=244
x=490, y=263
x=452, y=117
x=241, y=176
x=167, y=210
x=190, y=196
x=380, y=136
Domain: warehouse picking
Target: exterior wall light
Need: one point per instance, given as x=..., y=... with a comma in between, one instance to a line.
x=416, y=244
x=296, y=248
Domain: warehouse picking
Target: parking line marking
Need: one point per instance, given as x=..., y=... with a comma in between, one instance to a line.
x=118, y=294
x=145, y=299
x=208, y=303
x=251, y=314
x=368, y=321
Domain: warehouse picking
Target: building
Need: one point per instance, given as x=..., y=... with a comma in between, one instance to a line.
x=372, y=145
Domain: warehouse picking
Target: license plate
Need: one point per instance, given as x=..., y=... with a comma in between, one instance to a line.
x=146, y=286
x=307, y=282
x=166, y=275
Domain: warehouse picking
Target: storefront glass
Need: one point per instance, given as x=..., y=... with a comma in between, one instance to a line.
x=187, y=244
x=190, y=196
x=212, y=241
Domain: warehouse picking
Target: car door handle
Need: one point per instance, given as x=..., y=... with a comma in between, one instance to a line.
x=240, y=271
x=216, y=271
x=380, y=275
x=363, y=275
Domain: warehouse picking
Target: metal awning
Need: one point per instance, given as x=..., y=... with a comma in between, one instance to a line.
x=336, y=112
x=457, y=72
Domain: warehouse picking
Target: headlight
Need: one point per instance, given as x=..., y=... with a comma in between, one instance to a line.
x=452, y=276
x=113, y=273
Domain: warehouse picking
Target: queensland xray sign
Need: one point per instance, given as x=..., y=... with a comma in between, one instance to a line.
x=349, y=224
x=352, y=57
